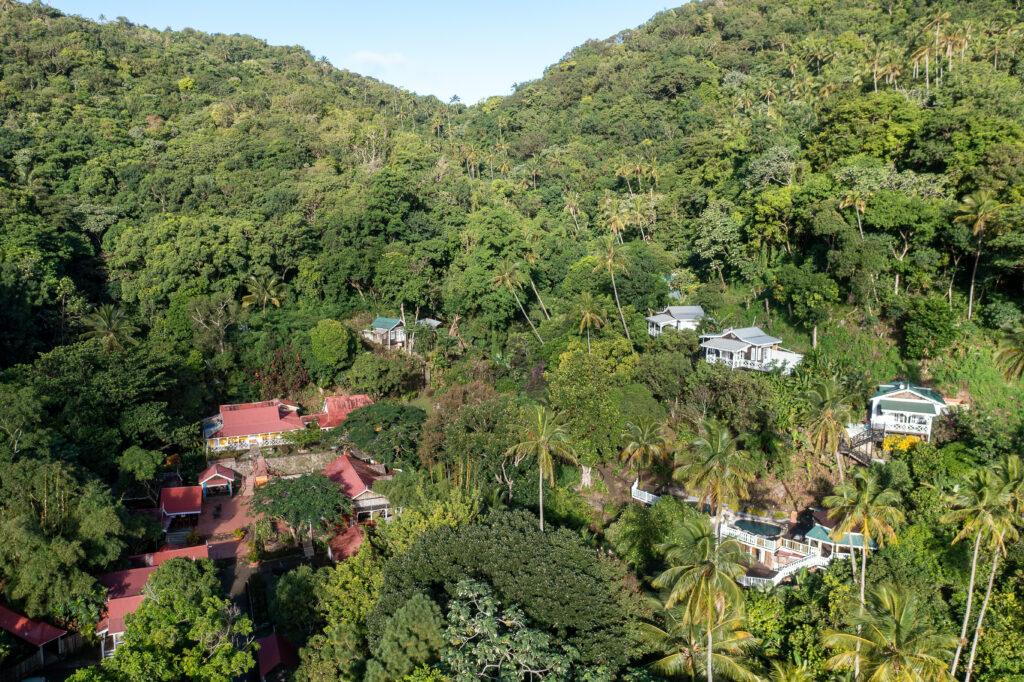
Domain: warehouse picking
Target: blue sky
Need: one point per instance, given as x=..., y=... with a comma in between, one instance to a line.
x=444, y=48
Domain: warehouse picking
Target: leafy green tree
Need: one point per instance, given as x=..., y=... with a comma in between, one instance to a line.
x=809, y=294
x=386, y=431
x=612, y=260
x=141, y=467
x=334, y=349
x=291, y=605
x=1010, y=354
x=543, y=439
x=827, y=411
x=381, y=374
x=110, y=326
x=929, y=328
x=311, y=500
x=686, y=648
x=413, y=635
x=896, y=642
x=643, y=443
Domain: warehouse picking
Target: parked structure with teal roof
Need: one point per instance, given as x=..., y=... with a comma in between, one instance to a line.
x=387, y=331
x=905, y=408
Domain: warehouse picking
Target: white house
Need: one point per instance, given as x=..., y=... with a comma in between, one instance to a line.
x=675, y=317
x=906, y=408
x=748, y=348
x=387, y=331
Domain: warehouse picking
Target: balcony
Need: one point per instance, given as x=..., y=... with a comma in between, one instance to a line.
x=892, y=424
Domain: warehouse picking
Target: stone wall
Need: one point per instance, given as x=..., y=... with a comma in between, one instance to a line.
x=287, y=465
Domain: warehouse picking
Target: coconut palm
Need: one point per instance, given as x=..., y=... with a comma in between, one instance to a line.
x=701, y=579
x=897, y=643
x=977, y=210
x=978, y=507
x=718, y=467
x=1010, y=481
x=544, y=439
x=683, y=647
x=863, y=506
x=858, y=202
x=612, y=260
x=589, y=312
x=644, y=443
x=110, y=325
x=790, y=672
x=1010, y=355
x=264, y=290
x=509, y=275
x=828, y=409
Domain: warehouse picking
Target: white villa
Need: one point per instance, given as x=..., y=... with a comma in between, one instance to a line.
x=675, y=317
x=905, y=408
x=748, y=348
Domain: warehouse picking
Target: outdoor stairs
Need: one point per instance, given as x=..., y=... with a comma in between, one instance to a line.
x=177, y=537
x=851, y=447
x=307, y=549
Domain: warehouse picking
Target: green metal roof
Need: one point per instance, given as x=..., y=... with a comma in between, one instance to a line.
x=820, y=533
x=898, y=386
x=385, y=323
x=908, y=406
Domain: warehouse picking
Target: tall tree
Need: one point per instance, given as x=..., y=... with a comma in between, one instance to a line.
x=543, y=439
x=263, y=291
x=682, y=645
x=508, y=275
x=977, y=210
x=827, y=411
x=590, y=314
x=717, y=466
x=312, y=500
x=644, y=442
x=612, y=260
x=701, y=578
x=898, y=642
x=110, y=325
x=1010, y=355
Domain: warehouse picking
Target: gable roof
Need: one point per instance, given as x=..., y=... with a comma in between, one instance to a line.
x=154, y=559
x=660, y=319
x=35, y=632
x=429, y=322
x=126, y=583
x=896, y=386
x=751, y=335
x=385, y=323
x=215, y=471
x=186, y=499
x=117, y=610
x=915, y=406
x=274, y=651
x=337, y=408
x=248, y=419
x=353, y=475
x=728, y=345
x=684, y=312
x=346, y=543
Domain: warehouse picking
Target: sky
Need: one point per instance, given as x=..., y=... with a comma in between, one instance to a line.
x=473, y=49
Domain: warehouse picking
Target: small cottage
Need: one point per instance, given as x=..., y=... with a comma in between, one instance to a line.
x=356, y=479
x=748, y=348
x=386, y=331
x=674, y=317
x=902, y=407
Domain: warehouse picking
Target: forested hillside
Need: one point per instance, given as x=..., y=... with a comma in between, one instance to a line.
x=191, y=220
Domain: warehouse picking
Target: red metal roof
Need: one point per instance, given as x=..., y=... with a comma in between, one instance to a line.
x=183, y=500
x=126, y=583
x=117, y=610
x=215, y=471
x=250, y=419
x=354, y=476
x=34, y=632
x=346, y=543
x=275, y=650
x=337, y=408
x=154, y=559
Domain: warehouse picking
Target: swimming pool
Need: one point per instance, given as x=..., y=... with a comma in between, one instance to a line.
x=768, y=530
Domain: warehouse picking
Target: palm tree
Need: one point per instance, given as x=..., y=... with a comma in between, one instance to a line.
x=644, y=443
x=854, y=199
x=718, y=468
x=572, y=206
x=589, y=313
x=828, y=410
x=683, y=646
x=1010, y=481
x=898, y=643
x=977, y=210
x=790, y=672
x=110, y=325
x=978, y=506
x=611, y=260
x=862, y=506
x=1010, y=355
x=543, y=438
x=701, y=578
x=509, y=275
x=264, y=290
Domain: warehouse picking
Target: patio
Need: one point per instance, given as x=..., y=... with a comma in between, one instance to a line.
x=222, y=515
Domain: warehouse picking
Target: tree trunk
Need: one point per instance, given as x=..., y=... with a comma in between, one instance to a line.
x=984, y=607
x=586, y=478
x=618, y=305
x=588, y=340
x=540, y=493
x=528, y=320
x=863, y=583
x=710, y=642
x=974, y=274
x=839, y=466
x=814, y=337
x=967, y=612
x=539, y=299
x=859, y=226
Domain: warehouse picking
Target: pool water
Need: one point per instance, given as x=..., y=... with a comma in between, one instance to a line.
x=768, y=530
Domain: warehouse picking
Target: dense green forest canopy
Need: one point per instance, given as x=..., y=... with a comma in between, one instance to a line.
x=192, y=219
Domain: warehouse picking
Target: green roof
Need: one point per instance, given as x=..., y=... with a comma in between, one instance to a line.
x=908, y=406
x=898, y=386
x=385, y=323
x=820, y=533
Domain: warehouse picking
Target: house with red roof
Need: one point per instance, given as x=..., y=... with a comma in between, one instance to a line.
x=345, y=544
x=124, y=592
x=180, y=507
x=35, y=633
x=337, y=408
x=242, y=426
x=274, y=656
x=218, y=479
x=356, y=479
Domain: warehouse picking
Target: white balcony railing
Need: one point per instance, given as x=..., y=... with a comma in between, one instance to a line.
x=637, y=494
x=245, y=445
x=888, y=423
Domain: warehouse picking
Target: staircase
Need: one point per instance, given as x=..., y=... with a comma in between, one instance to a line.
x=851, y=446
x=178, y=537
x=812, y=561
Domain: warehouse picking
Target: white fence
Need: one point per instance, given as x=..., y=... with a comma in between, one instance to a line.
x=891, y=424
x=637, y=494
